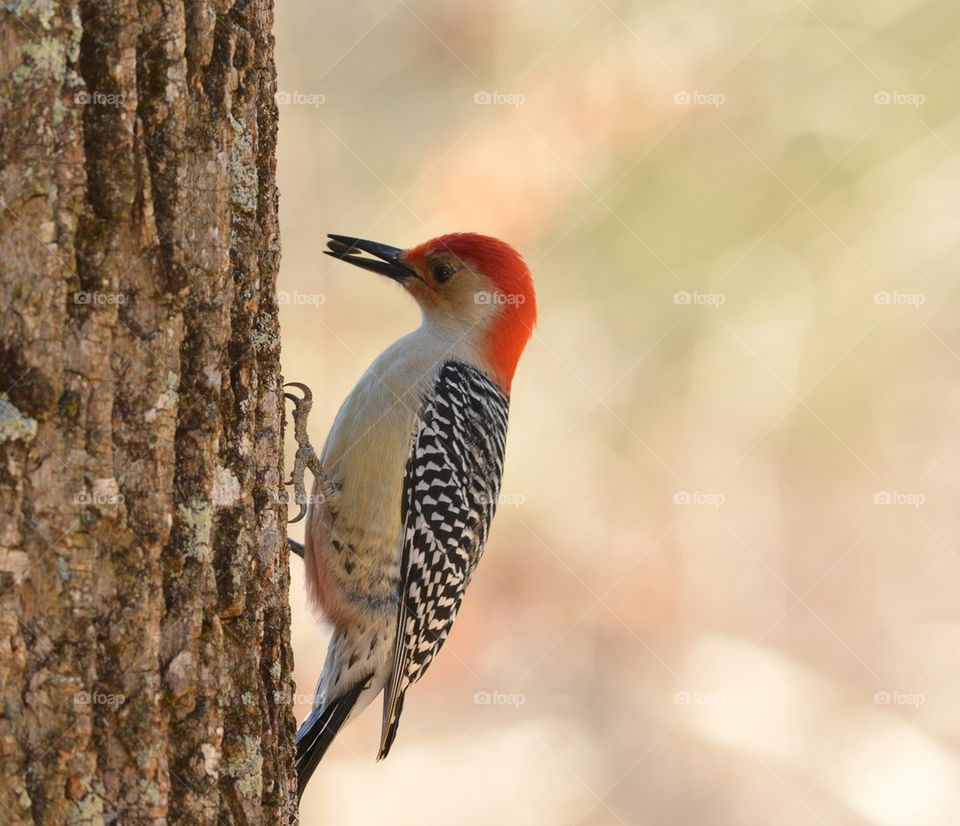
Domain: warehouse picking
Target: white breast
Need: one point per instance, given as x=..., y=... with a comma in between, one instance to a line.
x=365, y=456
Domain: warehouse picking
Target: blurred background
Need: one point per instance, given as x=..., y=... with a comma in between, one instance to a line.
x=722, y=585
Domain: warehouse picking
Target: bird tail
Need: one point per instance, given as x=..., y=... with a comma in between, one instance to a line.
x=318, y=730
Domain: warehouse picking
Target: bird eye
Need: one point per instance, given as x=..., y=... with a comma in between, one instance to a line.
x=442, y=272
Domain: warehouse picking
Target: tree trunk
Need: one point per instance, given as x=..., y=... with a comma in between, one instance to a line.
x=144, y=619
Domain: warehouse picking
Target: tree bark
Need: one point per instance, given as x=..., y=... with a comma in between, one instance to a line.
x=144, y=617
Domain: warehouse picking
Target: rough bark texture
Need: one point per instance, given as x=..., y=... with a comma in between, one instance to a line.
x=144, y=655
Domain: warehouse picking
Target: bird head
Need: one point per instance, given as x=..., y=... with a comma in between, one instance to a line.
x=470, y=287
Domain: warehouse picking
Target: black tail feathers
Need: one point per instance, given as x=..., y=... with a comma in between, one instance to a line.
x=318, y=731
x=390, y=726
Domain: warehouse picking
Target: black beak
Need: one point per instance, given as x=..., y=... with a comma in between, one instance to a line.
x=387, y=262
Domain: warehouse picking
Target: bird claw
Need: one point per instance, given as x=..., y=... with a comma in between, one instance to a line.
x=295, y=547
x=306, y=456
x=299, y=516
x=307, y=394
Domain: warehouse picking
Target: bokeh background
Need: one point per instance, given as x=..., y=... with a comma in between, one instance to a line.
x=722, y=586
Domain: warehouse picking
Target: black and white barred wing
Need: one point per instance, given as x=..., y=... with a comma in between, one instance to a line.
x=451, y=486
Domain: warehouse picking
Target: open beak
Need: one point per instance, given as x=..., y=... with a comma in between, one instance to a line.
x=387, y=260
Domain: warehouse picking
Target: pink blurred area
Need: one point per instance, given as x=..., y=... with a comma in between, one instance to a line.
x=722, y=584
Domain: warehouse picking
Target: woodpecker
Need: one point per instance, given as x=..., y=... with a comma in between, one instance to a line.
x=407, y=482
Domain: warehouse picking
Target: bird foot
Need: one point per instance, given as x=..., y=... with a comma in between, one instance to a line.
x=306, y=456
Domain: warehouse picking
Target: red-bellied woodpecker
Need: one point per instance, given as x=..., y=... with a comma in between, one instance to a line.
x=409, y=477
